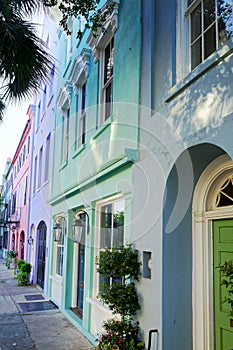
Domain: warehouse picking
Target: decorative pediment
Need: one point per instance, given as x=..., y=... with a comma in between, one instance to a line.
x=64, y=96
x=79, y=69
x=99, y=40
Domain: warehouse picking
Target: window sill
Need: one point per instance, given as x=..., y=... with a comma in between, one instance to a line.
x=200, y=70
x=56, y=278
x=98, y=305
x=81, y=148
x=64, y=165
x=103, y=127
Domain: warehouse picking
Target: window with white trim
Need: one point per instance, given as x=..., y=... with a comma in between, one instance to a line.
x=47, y=158
x=107, y=65
x=35, y=175
x=210, y=26
x=81, y=130
x=40, y=168
x=102, y=46
x=111, y=229
x=59, y=246
x=65, y=137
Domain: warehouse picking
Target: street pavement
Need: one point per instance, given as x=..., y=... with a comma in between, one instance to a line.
x=22, y=329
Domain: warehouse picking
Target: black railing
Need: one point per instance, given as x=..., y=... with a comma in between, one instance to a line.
x=151, y=331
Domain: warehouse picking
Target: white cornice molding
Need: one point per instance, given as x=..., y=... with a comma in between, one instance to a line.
x=101, y=38
x=64, y=96
x=80, y=69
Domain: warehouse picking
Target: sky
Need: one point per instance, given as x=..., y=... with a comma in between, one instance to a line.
x=11, y=129
x=14, y=121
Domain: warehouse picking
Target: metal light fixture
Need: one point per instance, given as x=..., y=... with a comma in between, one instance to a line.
x=13, y=228
x=59, y=228
x=80, y=225
x=30, y=240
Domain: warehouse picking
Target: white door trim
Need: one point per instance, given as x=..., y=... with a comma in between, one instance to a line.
x=202, y=254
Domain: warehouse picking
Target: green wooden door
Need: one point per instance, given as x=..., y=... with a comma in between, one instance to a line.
x=223, y=251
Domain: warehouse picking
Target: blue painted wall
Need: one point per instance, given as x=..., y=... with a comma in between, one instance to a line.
x=177, y=255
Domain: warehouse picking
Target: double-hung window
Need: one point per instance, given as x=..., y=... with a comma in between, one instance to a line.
x=210, y=26
x=82, y=116
x=111, y=228
x=59, y=257
x=107, y=79
x=66, y=131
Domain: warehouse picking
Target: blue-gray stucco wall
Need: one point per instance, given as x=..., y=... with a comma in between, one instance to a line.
x=177, y=256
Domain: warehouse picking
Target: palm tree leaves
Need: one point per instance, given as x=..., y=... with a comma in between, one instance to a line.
x=24, y=61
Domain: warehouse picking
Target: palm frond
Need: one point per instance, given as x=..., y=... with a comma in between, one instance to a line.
x=24, y=62
x=2, y=108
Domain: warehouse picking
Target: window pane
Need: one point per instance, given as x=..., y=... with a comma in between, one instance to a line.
x=196, y=23
x=105, y=226
x=83, y=129
x=196, y=54
x=225, y=23
x=209, y=41
x=209, y=12
x=108, y=101
x=108, y=61
x=118, y=224
x=59, y=267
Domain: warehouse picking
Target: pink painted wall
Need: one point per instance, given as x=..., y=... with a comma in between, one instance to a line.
x=21, y=185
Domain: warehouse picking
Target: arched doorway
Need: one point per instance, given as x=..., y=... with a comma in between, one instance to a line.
x=212, y=245
x=180, y=303
x=21, y=245
x=41, y=253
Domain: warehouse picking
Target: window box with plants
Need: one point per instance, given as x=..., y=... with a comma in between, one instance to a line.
x=122, y=268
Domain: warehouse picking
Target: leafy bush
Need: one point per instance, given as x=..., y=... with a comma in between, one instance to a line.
x=122, y=266
x=26, y=267
x=20, y=262
x=120, y=335
x=22, y=278
x=227, y=273
x=12, y=253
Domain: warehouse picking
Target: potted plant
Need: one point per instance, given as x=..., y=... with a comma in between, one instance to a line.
x=11, y=259
x=226, y=271
x=122, y=268
x=19, y=263
x=24, y=274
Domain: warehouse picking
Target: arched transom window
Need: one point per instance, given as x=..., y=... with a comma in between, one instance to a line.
x=225, y=194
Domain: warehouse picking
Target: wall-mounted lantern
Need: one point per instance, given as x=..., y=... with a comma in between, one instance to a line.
x=59, y=229
x=30, y=240
x=80, y=225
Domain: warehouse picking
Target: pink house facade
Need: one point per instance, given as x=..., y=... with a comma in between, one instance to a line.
x=20, y=191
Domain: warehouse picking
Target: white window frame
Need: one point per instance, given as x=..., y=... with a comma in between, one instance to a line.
x=98, y=249
x=103, y=117
x=65, y=135
x=78, y=77
x=189, y=10
x=61, y=247
x=98, y=43
x=47, y=158
x=64, y=101
x=81, y=127
x=40, y=165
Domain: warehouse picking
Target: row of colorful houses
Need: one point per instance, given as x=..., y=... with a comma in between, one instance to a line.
x=135, y=121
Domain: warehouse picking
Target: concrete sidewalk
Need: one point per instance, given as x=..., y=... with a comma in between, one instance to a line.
x=39, y=330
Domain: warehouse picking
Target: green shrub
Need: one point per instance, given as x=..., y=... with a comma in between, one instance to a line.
x=26, y=267
x=20, y=262
x=22, y=278
x=123, y=267
x=12, y=253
